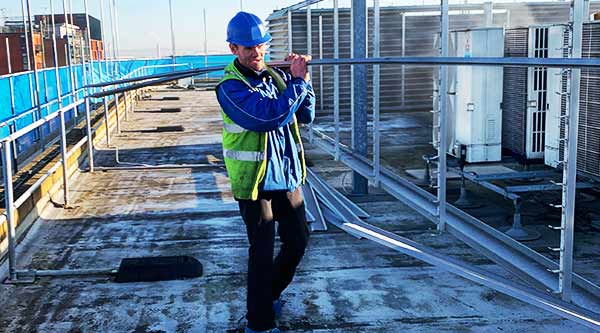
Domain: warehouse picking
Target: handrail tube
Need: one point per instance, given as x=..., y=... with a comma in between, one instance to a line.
x=155, y=76
x=40, y=122
x=140, y=85
x=53, y=169
x=417, y=61
x=46, y=105
x=43, y=106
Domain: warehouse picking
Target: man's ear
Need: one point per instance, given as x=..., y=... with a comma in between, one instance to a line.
x=233, y=48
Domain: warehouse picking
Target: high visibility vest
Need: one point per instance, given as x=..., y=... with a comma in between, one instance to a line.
x=245, y=151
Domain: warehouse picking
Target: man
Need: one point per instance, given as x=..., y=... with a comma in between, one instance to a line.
x=261, y=109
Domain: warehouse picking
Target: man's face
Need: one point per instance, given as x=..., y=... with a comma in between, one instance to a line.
x=250, y=56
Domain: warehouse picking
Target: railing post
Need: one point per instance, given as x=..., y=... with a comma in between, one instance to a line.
x=11, y=87
x=309, y=51
x=27, y=50
x=376, y=75
x=10, y=209
x=336, y=78
x=441, y=181
x=106, y=117
x=321, y=101
x=565, y=275
x=360, y=184
x=38, y=104
x=63, y=154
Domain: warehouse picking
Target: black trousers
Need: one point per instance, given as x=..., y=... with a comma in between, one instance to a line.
x=267, y=278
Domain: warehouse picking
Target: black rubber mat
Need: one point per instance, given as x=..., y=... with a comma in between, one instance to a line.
x=158, y=269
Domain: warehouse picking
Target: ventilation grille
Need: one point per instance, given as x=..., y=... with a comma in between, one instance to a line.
x=514, y=101
x=540, y=91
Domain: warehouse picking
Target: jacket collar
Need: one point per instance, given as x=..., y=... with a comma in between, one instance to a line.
x=249, y=73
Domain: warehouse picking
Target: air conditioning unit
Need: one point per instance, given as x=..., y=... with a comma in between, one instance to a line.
x=474, y=114
x=588, y=142
x=532, y=96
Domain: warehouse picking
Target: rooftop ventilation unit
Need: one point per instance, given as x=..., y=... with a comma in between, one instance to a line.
x=474, y=115
x=531, y=101
x=588, y=142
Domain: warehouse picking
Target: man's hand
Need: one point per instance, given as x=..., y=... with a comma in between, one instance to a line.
x=298, y=66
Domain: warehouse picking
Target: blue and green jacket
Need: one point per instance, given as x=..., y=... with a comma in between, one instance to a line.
x=267, y=109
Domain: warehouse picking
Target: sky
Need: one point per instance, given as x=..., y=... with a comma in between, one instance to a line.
x=144, y=24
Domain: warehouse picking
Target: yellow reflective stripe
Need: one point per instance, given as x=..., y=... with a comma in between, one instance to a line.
x=233, y=128
x=248, y=156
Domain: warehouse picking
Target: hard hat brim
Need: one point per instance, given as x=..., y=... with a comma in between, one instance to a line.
x=265, y=39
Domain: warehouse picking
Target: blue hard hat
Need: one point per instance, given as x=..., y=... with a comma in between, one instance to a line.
x=247, y=30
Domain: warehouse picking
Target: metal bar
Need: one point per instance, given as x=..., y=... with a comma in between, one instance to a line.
x=104, y=45
x=163, y=166
x=510, y=254
x=129, y=79
x=11, y=85
x=23, y=114
x=312, y=206
x=205, y=43
x=63, y=154
x=512, y=175
x=106, y=117
x=10, y=209
x=112, y=18
x=289, y=19
x=173, y=54
x=443, y=128
x=117, y=38
x=39, y=122
x=376, y=88
x=55, y=52
x=27, y=50
x=321, y=100
x=360, y=184
x=69, y=272
x=421, y=61
x=104, y=53
x=11, y=88
x=309, y=51
x=543, y=187
x=49, y=173
x=403, y=87
x=565, y=275
x=476, y=274
x=75, y=77
x=336, y=77
x=488, y=10
x=413, y=61
x=35, y=71
x=69, y=53
x=89, y=42
x=332, y=201
x=490, y=186
x=88, y=121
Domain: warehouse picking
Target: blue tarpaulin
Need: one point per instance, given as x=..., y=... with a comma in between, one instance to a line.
x=20, y=100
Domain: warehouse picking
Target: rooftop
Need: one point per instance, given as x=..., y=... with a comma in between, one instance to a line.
x=344, y=284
